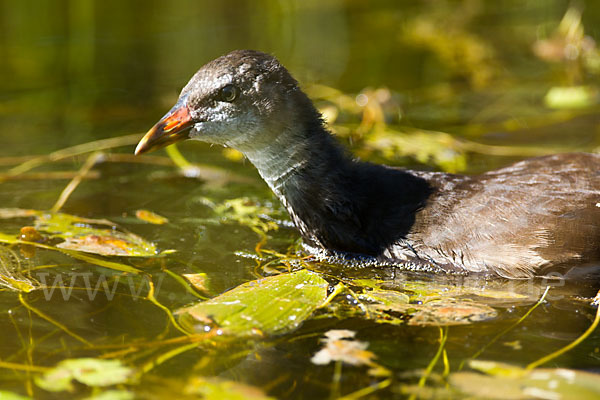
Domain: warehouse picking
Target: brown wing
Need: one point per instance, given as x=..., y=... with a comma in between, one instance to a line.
x=518, y=221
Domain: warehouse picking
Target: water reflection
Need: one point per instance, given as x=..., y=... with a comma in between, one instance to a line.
x=75, y=71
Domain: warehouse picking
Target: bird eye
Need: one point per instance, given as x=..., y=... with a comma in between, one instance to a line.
x=228, y=93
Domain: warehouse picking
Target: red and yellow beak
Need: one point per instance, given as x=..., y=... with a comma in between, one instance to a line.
x=170, y=129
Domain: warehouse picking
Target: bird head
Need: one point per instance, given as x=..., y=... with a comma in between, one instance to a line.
x=235, y=100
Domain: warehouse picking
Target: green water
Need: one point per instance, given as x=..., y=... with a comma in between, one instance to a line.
x=78, y=71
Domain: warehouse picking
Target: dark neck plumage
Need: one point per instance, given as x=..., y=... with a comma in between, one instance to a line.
x=337, y=203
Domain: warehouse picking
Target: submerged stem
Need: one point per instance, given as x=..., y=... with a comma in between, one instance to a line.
x=367, y=390
x=568, y=347
x=53, y=321
x=23, y=367
x=164, y=357
x=336, y=380
x=434, y=360
x=150, y=297
x=502, y=333
x=185, y=284
x=176, y=156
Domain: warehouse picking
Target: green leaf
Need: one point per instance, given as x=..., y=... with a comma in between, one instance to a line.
x=13, y=273
x=219, y=389
x=387, y=298
x=497, y=368
x=9, y=239
x=56, y=380
x=112, y=395
x=151, y=217
x=504, y=381
x=97, y=236
x=268, y=306
x=451, y=312
x=89, y=371
x=81, y=234
x=425, y=303
x=5, y=395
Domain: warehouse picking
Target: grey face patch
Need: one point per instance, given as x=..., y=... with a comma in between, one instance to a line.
x=225, y=124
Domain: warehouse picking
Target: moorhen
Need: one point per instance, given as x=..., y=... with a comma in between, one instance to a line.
x=524, y=220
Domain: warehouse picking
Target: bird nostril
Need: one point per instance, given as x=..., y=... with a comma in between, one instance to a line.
x=177, y=120
x=170, y=125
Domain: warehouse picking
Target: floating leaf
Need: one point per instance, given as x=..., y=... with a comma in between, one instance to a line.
x=56, y=380
x=89, y=371
x=268, y=306
x=424, y=303
x=113, y=395
x=12, y=276
x=451, y=312
x=103, y=245
x=219, y=389
x=425, y=291
x=199, y=281
x=83, y=234
x=497, y=368
x=504, y=381
x=386, y=306
x=151, y=217
x=81, y=230
x=387, y=298
x=9, y=239
x=436, y=313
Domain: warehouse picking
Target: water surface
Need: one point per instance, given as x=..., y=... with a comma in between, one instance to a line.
x=455, y=76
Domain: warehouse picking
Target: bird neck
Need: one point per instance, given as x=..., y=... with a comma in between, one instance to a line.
x=303, y=165
x=296, y=150
x=299, y=158
x=336, y=203
x=282, y=159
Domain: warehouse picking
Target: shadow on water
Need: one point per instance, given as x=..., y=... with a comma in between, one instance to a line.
x=457, y=86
